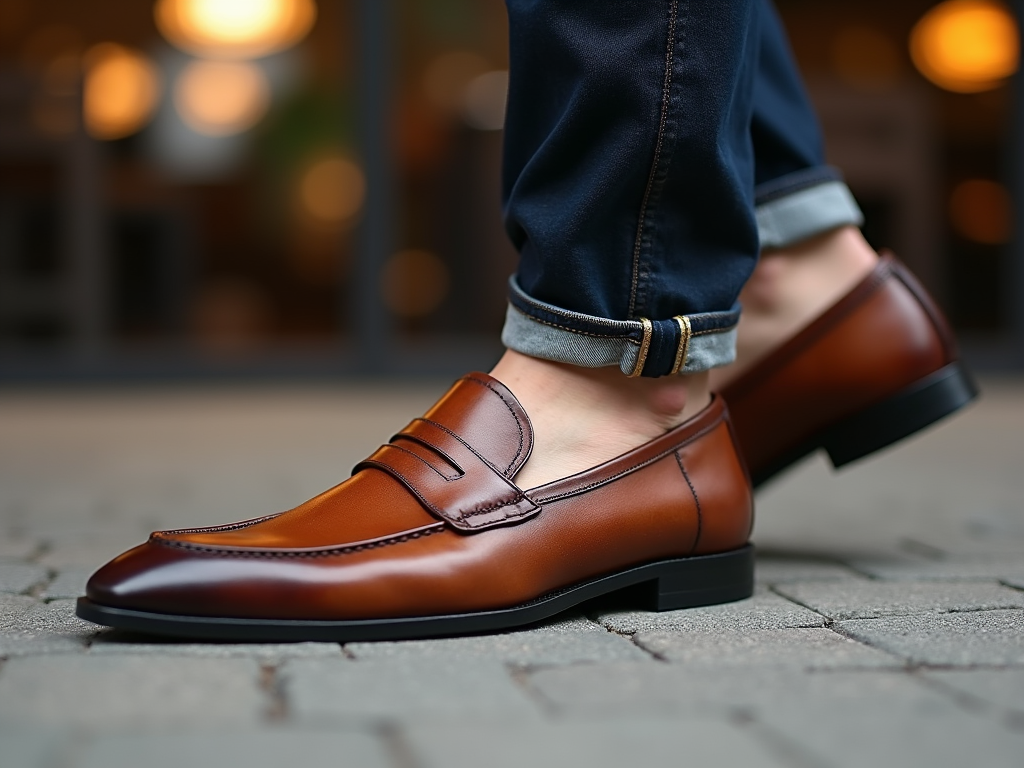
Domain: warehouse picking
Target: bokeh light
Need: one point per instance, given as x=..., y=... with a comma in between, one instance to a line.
x=966, y=46
x=981, y=210
x=483, y=106
x=121, y=91
x=221, y=98
x=866, y=58
x=332, y=190
x=235, y=28
x=446, y=77
x=415, y=282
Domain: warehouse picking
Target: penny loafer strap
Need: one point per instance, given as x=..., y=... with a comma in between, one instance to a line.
x=450, y=478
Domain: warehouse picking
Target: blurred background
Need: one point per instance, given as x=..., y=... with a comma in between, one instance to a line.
x=203, y=188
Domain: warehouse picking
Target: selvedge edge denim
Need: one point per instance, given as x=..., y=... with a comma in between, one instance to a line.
x=637, y=263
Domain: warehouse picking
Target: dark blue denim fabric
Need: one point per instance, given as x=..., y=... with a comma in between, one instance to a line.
x=638, y=133
x=789, y=150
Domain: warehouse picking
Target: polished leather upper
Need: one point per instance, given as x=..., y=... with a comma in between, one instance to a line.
x=883, y=336
x=433, y=524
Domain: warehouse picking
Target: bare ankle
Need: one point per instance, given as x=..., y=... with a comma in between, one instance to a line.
x=792, y=286
x=585, y=416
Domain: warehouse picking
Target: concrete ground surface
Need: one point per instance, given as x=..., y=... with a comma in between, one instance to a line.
x=887, y=627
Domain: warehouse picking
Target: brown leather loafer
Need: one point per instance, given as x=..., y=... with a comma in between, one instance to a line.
x=876, y=367
x=431, y=536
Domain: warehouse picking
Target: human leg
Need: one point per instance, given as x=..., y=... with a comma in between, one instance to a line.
x=620, y=116
x=836, y=349
x=812, y=251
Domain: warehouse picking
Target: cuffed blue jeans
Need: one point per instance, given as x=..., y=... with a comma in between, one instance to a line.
x=652, y=148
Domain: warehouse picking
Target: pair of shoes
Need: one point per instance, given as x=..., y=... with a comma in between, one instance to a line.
x=877, y=366
x=432, y=537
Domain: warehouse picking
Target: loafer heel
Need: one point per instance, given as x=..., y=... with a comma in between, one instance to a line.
x=932, y=398
x=706, y=580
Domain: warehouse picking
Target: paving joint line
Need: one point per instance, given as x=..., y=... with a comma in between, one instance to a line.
x=521, y=677
x=789, y=751
x=270, y=684
x=828, y=621
x=913, y=546
x=396, y=745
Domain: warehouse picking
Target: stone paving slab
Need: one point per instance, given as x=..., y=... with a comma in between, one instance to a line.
x=810, y=648
x=20, y=577
x=567, y=642
x=965, y=543
x=14, y=547
x=105, y=692
x=631, y=689
x=267, y=748
x=654, y=741
x=439, y=689
x=960, y=639
x=999, y=688
x=870, y=599
x=762, y=611
x=775, y=569
x=116, y=643
x=69, y=583
x=848, y=718
x=30, y=627
x=873, y=718
x=1007, y=569
x=31, y=747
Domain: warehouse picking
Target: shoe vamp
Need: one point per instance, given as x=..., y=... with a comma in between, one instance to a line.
x=368, y=506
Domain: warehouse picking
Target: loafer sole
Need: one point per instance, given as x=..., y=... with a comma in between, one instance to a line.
x=664, y=585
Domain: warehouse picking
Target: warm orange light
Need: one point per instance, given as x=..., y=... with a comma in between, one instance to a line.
x=121, y=91
x=966, y=46
x=221, y=98
x=981, y=210
x=333, y=189
x=414, y=283
x=234, y=28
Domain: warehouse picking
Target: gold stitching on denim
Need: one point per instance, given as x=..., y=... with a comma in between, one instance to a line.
x=684, y=343
x=645, y=345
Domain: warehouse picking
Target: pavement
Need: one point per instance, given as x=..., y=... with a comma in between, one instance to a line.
x=887, y=627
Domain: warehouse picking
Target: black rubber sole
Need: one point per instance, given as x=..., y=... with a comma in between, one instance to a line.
x=665, y=585
x=932, y=398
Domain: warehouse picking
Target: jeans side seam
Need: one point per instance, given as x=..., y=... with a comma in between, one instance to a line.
x=666, y=103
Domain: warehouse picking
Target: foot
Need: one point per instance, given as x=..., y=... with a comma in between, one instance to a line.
x=789, y=289
x=430, y=536
x=874, y=365
x=583, y=417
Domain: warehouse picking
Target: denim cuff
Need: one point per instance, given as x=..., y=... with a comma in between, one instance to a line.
x=803, y=204
x=682, y=344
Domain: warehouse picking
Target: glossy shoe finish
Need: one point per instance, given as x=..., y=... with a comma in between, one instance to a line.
x=877, y=366
x=431, y=536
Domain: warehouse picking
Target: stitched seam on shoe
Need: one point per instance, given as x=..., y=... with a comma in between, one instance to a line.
x=484, y=510
x=616, y=476
x=696, y=501
x=343, y=550
x=519, y=425
x=220, y=528
x=666, y=98
x=420, y=458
